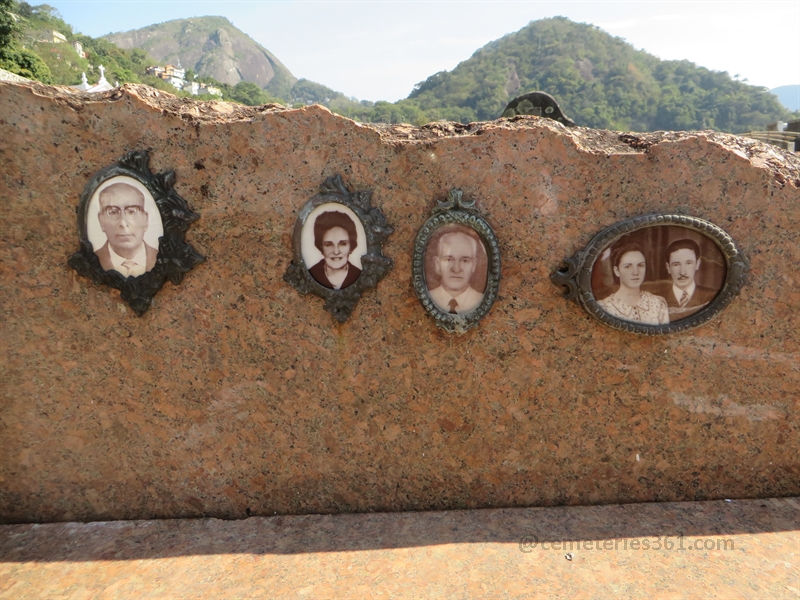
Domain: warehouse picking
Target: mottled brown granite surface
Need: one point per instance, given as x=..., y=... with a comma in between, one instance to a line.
x=738, y=549
x=234, y=395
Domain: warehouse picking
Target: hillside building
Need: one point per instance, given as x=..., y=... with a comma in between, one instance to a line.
x=79, y=49
x=201, y=89
x=170, y=74
x=177, y=77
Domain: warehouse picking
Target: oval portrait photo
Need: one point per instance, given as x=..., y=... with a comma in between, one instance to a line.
x=658, y=275
x=124, y=226
x=333, y=242
x=456, y=268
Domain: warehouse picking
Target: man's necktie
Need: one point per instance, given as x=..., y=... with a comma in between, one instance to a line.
x=453, y=304
x=128, y=264
x=684, y=299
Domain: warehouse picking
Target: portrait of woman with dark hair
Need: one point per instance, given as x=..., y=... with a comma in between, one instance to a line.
x=629, y=302
x=335, y=236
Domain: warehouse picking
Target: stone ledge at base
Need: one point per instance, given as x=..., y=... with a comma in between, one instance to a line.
x=714, y=549
x=235, y=396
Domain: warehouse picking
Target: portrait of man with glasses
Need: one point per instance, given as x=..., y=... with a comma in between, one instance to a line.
x=124, y=220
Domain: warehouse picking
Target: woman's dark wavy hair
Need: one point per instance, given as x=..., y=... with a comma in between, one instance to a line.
x=619, y=250
x=330, y=219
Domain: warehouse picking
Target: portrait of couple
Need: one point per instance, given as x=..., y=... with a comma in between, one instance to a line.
x=660, y=275
x=333, y=242
x=124, y=226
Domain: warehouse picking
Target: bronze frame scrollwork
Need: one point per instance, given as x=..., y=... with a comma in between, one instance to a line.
x=455, y=209
x=175, y=257
x=340, y=303
x=576, y=276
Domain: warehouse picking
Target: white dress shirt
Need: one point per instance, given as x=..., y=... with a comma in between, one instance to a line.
x=467, y=300
x=140, y=260
x=679, y=291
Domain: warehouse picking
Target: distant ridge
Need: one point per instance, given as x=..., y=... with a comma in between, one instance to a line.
x=212, y=47
x=789, y=95
x=598, y=80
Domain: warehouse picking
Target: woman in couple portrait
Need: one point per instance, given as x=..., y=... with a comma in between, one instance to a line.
x=630, y=302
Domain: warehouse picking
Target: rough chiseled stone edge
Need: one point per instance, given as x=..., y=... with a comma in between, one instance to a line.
x=175, y=256
x=577, y=274
x=374, y=265
x=456, y=210
x=784, y=166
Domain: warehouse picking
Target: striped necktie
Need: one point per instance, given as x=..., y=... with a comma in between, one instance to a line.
x=129, y=264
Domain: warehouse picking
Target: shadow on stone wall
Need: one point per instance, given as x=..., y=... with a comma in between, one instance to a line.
x=690, y=527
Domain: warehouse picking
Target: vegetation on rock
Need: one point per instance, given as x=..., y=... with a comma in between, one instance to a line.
x=14, y=57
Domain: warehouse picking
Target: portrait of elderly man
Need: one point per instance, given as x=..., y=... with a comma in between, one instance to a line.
x=457, y=254
x=124, y=221
x=684, y=296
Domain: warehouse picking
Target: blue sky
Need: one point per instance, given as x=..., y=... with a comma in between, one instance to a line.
x=378, y=50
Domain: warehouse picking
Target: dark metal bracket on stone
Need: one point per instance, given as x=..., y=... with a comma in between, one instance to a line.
x=576, y=275
x=455, y=209
x=175, y=256
x=537, y=104
x=340, y=303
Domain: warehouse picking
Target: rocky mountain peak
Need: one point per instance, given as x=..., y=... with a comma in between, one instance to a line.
x=211, y=46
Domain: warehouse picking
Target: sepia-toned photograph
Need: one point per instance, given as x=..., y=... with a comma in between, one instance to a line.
x=337, y=247
x=132, y=225
x=658, y=275
x=333, y=242
x=456, y=268
x=124, y=226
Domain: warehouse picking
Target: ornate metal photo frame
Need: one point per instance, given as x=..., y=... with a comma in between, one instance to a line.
x=113, y=211
x=338, y=247
x=440, y=284
x=665, y=273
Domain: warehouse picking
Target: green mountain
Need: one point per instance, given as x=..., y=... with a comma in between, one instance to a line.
x=211, y=47
x=598, y=80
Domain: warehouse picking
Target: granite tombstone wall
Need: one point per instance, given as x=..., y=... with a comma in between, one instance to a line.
x=234, y=394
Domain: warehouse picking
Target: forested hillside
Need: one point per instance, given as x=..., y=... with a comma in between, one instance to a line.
x=59, y=63
x=599, y=81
